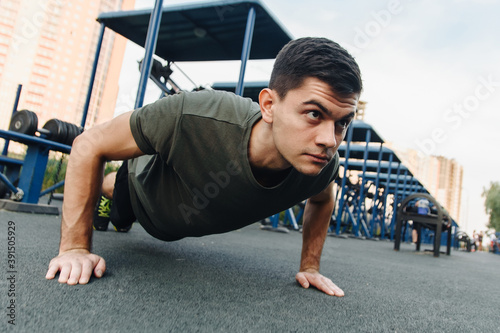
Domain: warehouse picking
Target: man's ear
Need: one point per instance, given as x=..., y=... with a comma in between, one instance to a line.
x=267, y=98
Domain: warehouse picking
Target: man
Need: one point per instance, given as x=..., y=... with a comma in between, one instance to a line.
x=211, y=162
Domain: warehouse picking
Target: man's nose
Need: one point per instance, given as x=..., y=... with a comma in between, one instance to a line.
x=326, y=135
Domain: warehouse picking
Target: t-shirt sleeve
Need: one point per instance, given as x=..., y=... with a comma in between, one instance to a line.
x=153, y=126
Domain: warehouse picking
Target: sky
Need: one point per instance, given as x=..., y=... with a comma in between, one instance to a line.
x=430, y=71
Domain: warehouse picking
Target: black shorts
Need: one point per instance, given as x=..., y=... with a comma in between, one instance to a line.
x=121, y=214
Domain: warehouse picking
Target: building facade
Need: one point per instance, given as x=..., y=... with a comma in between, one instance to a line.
x=48, y=46
x=441, y=176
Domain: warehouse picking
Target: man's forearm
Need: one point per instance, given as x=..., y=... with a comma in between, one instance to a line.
x=82, y=187
x=315, y=227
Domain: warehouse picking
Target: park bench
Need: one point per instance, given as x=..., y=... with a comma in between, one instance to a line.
x=437, y=220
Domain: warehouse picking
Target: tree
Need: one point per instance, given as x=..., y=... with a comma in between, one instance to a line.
x=492, y=204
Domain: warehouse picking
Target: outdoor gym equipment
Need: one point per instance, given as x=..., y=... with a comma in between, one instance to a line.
x=26, y=122
x=439, y=222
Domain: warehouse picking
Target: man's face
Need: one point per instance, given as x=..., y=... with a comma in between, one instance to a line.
x=309, y=124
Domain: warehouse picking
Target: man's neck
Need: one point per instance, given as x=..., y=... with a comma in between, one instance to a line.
x=268, y=166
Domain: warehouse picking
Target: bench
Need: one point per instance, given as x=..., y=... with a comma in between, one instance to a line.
x=439, y=221
x=34, y=164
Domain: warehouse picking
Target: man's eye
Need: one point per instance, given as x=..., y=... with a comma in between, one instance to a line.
x=313, y=115
x=342, y=124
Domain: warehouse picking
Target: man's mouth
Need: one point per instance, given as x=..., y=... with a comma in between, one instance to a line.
x=320, y=158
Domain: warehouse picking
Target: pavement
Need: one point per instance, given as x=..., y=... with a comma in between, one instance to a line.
x=242, y=281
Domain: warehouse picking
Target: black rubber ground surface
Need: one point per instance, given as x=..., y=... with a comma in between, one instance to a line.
x=243, y=281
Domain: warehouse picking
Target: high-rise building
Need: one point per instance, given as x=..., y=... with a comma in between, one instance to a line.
x=441, y=176
x=48, y=46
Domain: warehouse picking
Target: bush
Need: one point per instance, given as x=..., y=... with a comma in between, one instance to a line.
x=56, y=171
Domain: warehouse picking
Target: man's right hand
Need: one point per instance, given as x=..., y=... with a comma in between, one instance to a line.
x=76, y=266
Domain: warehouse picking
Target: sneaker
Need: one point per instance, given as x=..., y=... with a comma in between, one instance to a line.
x=101, y=214
x=122, y=229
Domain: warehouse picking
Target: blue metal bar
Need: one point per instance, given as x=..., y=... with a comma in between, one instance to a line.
x=245, y=52
x=342, y=186
x=92, y=76
x=375, y=196
x=395, y=207
x=34, y=140
x=361, y=196
x=14, y=109
x=150, y=47
x=7, y=183
x=52, y=188
x=404, y=185
x=5, y=150
x=32, y=173
x=386, y=191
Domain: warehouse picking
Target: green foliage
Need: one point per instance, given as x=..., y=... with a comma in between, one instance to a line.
x=56, y=171
x=492, y=204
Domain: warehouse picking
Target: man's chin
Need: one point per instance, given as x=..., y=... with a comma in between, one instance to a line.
x=311, y=171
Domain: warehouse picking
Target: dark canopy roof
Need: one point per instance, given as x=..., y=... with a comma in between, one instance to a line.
x=359, y=132
x=211, y=30
x=252, y=88
x=357, y=151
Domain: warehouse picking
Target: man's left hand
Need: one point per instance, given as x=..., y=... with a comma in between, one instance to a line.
x=315, y=279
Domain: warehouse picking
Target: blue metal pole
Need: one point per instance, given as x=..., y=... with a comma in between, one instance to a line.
x=14, y=109
x=52, y=188
x=386, y=192
x=395, y=208
x=245, y=52
x=92, y=76
x=375, y=196
x=342, y=186
x=150, y=47
x=361, y=196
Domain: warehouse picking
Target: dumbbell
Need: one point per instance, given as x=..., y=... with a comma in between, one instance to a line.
x=26, y=122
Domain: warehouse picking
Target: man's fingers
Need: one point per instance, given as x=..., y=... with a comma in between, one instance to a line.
x=302, y=280
x=52, y=271
x=74, y=277
x=86, y=272
x=100, y=268
x=336, y=290
x=76, y=267
x=320, y=282
x=64, y=273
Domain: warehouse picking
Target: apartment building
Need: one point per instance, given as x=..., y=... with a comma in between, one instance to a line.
x=48, y=46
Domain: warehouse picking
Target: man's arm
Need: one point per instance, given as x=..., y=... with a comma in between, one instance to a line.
x=317, y=214
x=109, y=141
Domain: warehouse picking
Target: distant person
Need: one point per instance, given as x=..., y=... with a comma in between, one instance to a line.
x=423, y=208
x=209, y=162
x=475, y=240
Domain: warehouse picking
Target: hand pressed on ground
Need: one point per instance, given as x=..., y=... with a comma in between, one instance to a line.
x=76, y=267
x=320, y=282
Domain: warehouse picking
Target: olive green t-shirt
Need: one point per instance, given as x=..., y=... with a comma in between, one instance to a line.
x=196, y=178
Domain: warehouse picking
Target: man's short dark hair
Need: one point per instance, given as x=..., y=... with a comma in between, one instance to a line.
x=315, y=57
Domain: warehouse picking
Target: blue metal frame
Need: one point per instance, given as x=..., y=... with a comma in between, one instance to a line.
x=35, y=163
x=245, y=52
x=151, y=38
x=92, y=76
x=14, y=109
x=343, y=188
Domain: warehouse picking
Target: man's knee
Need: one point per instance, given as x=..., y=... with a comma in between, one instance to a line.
x=108, y=185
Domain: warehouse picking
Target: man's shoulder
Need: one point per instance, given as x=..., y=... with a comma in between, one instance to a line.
x=219, y=105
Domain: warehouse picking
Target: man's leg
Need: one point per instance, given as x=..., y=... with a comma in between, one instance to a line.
x=114, y=203
x=122, y=216
x=103, y=208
